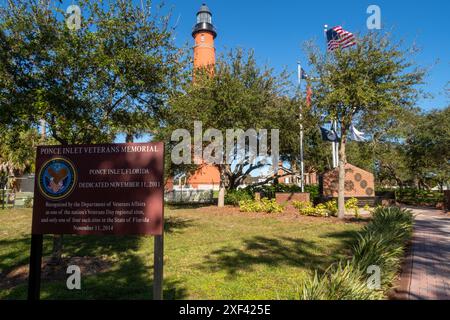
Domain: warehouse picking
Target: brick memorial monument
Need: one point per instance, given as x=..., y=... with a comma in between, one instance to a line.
x=359, y=184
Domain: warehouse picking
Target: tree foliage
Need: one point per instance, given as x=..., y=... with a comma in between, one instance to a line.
x=413, y=153
x=112, y=75
x=316, y=151
x=17, y=152
x=428, y=148
x=238, y=95
x=370, y=83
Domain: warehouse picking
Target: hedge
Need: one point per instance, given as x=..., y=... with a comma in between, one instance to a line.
x=419, y=197
x=268, y=191
x=233, y=197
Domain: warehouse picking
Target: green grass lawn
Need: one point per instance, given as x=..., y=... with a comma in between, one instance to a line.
x=209, y=254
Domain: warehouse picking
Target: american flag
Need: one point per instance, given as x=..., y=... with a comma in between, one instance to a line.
x=338, y=37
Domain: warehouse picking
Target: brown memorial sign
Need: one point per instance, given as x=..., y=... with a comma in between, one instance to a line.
x=99, y=189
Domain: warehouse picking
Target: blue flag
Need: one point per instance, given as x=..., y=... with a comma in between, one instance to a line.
x=329, y=135
x=303, y=74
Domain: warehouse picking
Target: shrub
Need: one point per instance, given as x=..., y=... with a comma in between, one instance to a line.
x=301, y=204
x=233, y=197
x=265, y=205
x=332, y=207
x=313, y=190
x=419, y=197
x=326, y=209
x=308, y=209
x=268, y=191
x=271, y=206
x=380, y=243
x=28, y=203
x=343, y=282
x=413, y=196
x=250, y=206
x=321, y=210
x=352, y=204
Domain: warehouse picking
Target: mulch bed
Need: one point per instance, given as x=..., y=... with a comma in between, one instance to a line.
x=289, y=213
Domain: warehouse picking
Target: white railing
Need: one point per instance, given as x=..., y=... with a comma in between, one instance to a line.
x=189, y=196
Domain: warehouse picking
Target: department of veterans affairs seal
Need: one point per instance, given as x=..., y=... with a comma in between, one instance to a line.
x=57, y=178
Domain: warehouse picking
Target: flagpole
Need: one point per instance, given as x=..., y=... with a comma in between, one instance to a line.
x=333, y=149
x=334, y=145
x=302, y=164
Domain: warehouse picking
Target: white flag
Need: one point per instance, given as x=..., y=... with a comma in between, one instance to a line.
x=356, y=135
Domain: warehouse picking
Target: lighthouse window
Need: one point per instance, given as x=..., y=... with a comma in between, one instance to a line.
x=202, y=38
x=204, y=17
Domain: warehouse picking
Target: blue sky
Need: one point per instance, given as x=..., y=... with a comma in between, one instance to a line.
x=276, y=30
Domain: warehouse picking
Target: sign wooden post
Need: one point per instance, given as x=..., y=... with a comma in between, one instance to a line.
x=34, y=277
x=109, y=189
x=158, y=262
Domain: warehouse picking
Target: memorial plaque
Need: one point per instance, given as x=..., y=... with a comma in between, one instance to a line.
x=99, y=189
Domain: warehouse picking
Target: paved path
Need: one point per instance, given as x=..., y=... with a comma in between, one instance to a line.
x=428, y=273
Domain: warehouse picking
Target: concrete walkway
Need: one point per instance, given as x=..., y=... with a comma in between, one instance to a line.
x=427, y=275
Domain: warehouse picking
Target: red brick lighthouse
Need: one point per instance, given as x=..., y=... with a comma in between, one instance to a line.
x=206, y=177
x=204, y=34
